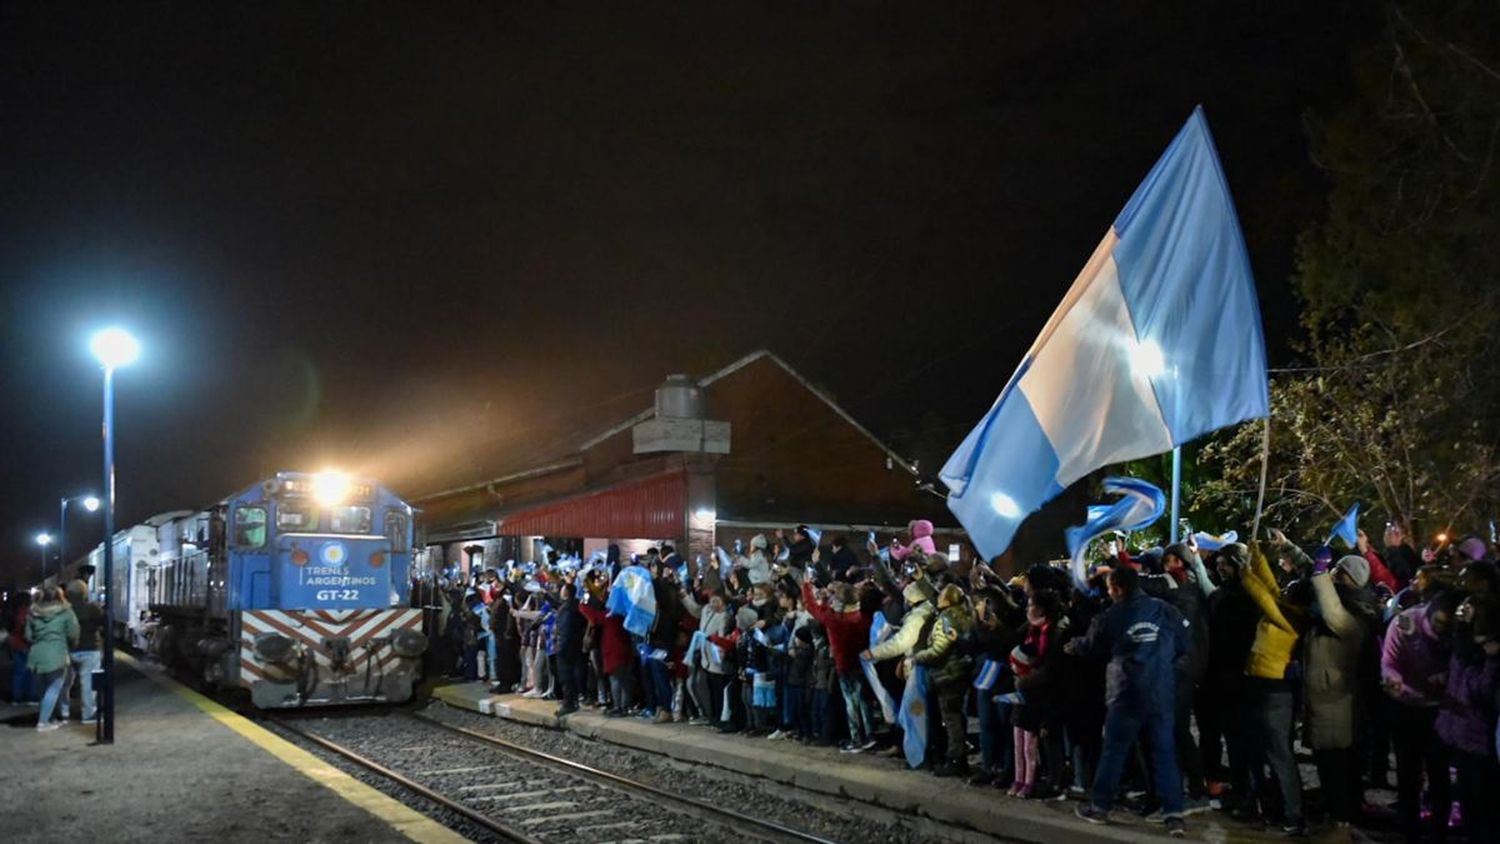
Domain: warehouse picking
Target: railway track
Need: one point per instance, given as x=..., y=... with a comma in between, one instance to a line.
x=520, y=794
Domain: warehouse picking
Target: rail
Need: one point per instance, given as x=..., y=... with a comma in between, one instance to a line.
x=504, y=832
x=769, y=830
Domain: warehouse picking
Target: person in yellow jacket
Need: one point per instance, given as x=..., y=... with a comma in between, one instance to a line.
x=1268, y=702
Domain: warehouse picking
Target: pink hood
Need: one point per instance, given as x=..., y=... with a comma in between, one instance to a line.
x=921, y=533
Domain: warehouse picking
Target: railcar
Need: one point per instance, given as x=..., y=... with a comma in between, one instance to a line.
x=295, y=589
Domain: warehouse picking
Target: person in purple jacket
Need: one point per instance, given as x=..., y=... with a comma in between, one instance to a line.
x=1414, y=673
x=1466, y=717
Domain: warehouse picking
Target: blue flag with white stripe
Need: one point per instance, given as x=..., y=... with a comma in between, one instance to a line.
x=1140, y=505
x=913, y=717
x=1157, y=342
x=880, y=630
x=632, y=598
x=1347, y=528
x=1209, y=542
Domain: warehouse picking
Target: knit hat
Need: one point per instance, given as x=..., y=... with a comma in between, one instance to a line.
x=1472, y=548
x=1021, y=658
x=758, y=541
x=745, y=618
x=916, y=592
x=1357, y=567
x=937, y=562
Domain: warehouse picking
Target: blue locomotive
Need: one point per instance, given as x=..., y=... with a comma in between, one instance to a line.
x=296, y=589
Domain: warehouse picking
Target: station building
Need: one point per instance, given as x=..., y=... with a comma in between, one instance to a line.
x=745, y=450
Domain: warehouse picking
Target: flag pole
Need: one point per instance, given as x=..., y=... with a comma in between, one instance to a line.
x=1176, y=490
x=1265, y=465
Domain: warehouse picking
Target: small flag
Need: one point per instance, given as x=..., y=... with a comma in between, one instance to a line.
x=1141, y=504
x=880, y=630
x=632, y=598
x=988, y=673
x=1347, y=528
x=913, y=717
x=1209, y=542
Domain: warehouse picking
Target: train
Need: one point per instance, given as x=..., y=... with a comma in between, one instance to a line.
x=295, y=589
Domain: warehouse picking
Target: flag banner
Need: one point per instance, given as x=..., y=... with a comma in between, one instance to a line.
x=1157, y=342
x=988, y=673
x=880, y=630
x=632, y=598
x=913, y=717
x=1209, y=542
x=1140, y=505
x=1347, y=528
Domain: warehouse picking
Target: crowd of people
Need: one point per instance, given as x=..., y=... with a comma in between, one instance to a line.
x=54, y=646
x=1178, y=680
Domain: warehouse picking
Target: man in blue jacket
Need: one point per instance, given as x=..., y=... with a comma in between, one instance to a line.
x=1146, y=640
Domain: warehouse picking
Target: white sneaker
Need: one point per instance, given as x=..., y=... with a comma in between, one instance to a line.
x=776, y=736
x=49, y=726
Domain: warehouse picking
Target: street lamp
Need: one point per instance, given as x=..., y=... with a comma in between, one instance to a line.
x=44, y=539
x=90, y=503
x=114, y=347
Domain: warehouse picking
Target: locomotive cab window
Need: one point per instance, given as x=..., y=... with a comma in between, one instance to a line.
x=293, y=515
x=349, y=519
x=250, y=527
x=395, y=531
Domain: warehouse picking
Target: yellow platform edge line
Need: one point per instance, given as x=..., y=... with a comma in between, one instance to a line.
x=406, y=820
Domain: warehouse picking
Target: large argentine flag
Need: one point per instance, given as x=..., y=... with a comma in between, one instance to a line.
x=1157, y=342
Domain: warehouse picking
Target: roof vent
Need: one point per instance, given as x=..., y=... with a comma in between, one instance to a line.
x=679, y=424
x=679, y=398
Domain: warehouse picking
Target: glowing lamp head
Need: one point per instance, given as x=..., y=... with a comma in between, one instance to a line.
x=44, y=539
x=91, y=504
x=330, y=488
x=114, y=347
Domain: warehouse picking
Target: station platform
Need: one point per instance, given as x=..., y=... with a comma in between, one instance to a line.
x=882, y=781
x=184, y=768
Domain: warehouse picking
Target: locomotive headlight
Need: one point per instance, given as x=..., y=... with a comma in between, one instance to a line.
x=273, y=647
x=408, y=643
x=330, y=488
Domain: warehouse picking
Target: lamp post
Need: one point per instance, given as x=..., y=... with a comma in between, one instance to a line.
x=114, y=348
x=90, y=503
x=44, y=539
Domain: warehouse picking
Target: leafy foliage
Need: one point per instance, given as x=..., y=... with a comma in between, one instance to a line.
x=1400, y=284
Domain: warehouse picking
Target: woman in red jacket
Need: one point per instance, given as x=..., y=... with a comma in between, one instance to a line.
x=848, y=634
x=619, y=656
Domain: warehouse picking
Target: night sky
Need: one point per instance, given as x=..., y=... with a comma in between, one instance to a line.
x=411, y=243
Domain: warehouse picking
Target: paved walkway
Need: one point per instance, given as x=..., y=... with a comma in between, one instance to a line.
x=183, y=768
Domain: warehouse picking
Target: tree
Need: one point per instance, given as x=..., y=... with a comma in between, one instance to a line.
x=1395, y=406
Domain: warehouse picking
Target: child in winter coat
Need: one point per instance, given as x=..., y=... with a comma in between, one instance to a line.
x=1026, y=741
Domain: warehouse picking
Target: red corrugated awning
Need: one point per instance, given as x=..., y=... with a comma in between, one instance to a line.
x=645, y=509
